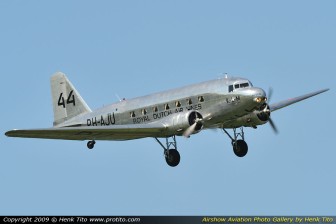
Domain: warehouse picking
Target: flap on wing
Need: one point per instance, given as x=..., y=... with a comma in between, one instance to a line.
x=115, y=132
x=285, y=103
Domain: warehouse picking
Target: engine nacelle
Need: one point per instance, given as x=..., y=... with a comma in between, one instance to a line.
x=257, y=117
x=253, y=119
x=183, y=121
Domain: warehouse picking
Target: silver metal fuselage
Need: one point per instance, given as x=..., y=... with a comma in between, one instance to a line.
x=222, y=103
x=221, y=108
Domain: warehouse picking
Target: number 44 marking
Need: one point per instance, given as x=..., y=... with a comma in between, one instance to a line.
x=71, y=99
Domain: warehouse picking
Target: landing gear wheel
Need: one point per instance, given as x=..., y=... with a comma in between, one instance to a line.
x=91, y=144
x=173, y=157
x=240, y=148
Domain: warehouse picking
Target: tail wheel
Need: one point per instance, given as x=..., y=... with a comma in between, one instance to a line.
x=240, y=148
x=173, y=157
x=91, y=144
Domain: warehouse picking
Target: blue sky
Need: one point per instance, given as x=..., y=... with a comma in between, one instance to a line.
x=132, y=48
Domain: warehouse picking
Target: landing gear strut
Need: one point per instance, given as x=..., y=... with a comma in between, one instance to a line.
x=171, y=154
x=91, y=144
x=240, y=147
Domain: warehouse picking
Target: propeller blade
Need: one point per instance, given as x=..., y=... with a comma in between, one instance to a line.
x=198, y=120
x=190, y=130
x=269, y=94
x=273, y=126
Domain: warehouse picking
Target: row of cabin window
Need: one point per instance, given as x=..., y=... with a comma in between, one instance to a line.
x=167, y=107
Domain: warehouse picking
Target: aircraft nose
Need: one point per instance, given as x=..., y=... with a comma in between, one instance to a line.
x=259, y=95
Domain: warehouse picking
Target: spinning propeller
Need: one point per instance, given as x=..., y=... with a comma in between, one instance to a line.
x=265, y=114
x=196, y=122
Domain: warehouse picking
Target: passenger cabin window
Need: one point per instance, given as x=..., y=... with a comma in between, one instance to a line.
x=200, y=99
x=166, y=106
x=155, y=109
x=178, y=104
x=189, y=102
x=144, y=111
x=132, y=114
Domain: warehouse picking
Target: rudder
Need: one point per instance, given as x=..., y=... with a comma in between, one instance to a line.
x=67, y=103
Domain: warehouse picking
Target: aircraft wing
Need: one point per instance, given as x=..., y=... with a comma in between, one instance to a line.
x=285, y=103
x=115, y=132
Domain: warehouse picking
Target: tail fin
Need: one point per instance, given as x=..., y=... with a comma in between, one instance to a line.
x=67, y=102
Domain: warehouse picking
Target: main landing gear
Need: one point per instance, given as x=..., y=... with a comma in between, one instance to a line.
x=91, y=144
x=171, y=154
x=240, y=147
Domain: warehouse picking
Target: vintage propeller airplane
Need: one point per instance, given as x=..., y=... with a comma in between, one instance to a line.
x=226, y=103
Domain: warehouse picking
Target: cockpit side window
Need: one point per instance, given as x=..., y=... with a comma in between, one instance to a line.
x=230, y=88
x=239, y=85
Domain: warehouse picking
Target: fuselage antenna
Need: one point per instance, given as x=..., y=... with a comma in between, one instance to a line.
x=118, y=97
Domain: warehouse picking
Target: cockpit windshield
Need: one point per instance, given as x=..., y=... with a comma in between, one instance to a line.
x=243, y=85
x=239, y=85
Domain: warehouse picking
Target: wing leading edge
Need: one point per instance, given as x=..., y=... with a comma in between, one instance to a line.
x=285, y=103
x=116, y=132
